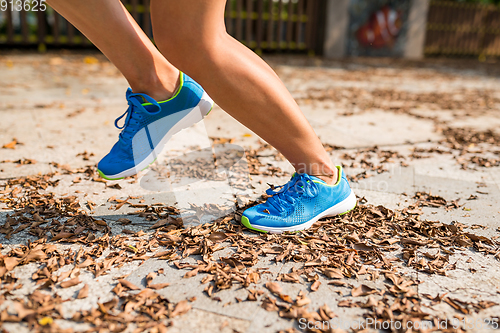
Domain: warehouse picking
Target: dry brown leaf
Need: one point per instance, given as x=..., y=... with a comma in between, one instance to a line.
x=217, y=236
x=150, y=277
x=269, y=304
x=101, y=223
x=181, y=308
x=302, y=299
x=326, y=313
x=285, y=298
x=315, y=285
x=70, y=283
x=158, y=286
x=274, y=287
x=124, y=221
x=84, y=292
x=118, y=289
x=10, y=145
x=363, y=290
x=35, y=255
x=333, y=273
x=22, y=311
x=191, y=273
x=128, y=284
x=363, y=247
x=88, y=261
x=160, y=223
x=10, y=263
x=64, y=276
x=62, y=235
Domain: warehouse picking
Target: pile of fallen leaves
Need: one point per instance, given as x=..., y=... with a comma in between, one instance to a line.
x=356, y=100
x=223, y=160
x=371, y=242
x=469, y=147
x=474, y=147
x=372, y=161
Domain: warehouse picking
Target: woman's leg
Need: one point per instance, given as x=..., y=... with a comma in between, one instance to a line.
x=111, y=28
x=192, y=35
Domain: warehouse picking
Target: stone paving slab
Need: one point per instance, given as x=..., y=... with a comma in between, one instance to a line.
x=399, y=181
x=360, y=130
x=207, y=322
x=483, y=211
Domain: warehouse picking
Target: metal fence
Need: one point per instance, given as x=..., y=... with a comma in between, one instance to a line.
x=263, y=25
x=463, y=29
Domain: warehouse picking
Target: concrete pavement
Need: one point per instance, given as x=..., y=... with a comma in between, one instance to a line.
x=391, y=120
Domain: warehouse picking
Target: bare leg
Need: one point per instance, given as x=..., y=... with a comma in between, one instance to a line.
x=111, y=28
x=192, y=35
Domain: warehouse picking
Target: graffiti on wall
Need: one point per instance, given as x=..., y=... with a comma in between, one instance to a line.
x=377, y=27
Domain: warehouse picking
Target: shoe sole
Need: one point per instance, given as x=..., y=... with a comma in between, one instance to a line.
x=199, y=112
x=343, y=207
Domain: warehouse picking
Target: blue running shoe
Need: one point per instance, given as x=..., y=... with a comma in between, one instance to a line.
x=150, y=124
x=298, y=204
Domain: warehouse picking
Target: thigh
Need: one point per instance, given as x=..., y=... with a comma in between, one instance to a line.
x=197, y=18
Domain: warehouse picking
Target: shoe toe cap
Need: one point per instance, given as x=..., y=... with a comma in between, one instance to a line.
x=110, y=166
x=256, y=217
x=107, y=168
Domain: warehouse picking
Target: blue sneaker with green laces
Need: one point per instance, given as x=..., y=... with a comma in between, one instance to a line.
x=149, y=124
x=299, y=203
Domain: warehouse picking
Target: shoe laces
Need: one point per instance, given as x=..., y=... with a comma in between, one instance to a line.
x=286, y=196
x=134, y=114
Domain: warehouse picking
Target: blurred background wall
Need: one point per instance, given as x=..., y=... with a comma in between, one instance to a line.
x=332, y=28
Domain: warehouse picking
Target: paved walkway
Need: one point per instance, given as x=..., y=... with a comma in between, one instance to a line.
x=420, y=142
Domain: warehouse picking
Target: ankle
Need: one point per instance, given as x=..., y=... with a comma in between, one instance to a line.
x=158, y=87
x=330, y=179
x=328, y=173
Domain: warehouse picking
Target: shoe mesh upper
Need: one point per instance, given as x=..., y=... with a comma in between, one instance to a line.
x=135, y=148
x=304, y=209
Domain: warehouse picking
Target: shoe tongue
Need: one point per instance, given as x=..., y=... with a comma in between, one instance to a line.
x=149, y=107
x=138, y=98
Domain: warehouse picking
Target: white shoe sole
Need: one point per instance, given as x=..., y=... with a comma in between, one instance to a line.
x=342, y=207
x=197, y=114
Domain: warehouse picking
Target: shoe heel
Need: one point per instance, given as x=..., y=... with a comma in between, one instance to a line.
x=206, y=105
x=344, y=206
